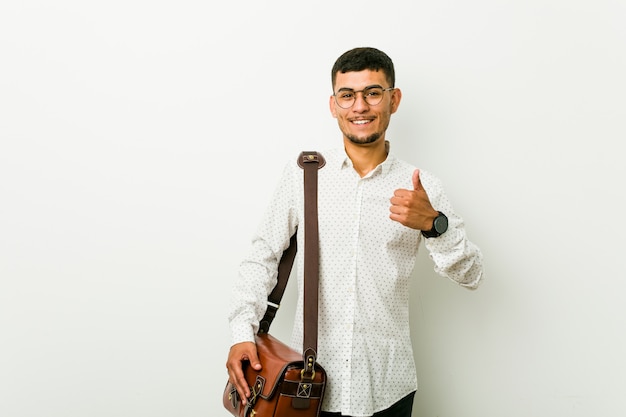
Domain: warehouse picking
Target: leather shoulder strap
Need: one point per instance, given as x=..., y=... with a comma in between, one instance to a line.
x=311, y=163
x=307, y=161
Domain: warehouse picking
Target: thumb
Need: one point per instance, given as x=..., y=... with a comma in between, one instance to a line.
x=254, y=360
x=417, y=183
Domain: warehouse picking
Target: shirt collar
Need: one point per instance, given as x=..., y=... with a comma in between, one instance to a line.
x=383, y=168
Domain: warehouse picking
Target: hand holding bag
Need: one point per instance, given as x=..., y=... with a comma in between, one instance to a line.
x=290, y=383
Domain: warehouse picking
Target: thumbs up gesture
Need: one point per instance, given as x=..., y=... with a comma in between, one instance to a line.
x=412, y=208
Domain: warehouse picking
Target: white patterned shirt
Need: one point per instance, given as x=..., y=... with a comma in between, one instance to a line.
x=366, y=260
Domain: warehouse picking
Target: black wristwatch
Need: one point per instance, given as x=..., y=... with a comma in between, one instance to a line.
x=440, y=225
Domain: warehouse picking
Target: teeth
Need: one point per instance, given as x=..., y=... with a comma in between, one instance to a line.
x=360, y=122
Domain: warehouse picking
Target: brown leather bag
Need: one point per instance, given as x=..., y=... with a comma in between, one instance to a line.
x=291, y=383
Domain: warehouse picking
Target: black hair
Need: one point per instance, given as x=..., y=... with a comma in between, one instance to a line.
x=364, y=58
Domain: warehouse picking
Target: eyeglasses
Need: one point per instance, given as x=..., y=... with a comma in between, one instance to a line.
x=345, y=98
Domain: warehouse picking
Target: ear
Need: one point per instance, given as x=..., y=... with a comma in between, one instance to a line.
x=333, y=106
x=396, y=97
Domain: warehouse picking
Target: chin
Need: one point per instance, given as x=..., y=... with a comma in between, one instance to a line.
x=363, y=141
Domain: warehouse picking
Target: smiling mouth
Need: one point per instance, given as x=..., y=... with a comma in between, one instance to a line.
x=361, y=122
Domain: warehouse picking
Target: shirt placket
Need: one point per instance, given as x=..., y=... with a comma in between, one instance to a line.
x=351, y=305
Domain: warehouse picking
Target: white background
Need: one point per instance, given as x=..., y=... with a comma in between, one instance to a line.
x=141, y=140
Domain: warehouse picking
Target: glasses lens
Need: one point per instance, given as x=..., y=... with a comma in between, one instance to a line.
x=345, y=99
x=372, y=96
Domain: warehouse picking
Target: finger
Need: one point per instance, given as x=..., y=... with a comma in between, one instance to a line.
x=401, y=193
x=243, y=389
x=394, y=209
x=399, y=201
x=254, y=360
x=417, y=182
x=240, y=383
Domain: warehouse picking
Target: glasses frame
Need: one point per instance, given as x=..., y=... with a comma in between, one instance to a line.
x=362, y=93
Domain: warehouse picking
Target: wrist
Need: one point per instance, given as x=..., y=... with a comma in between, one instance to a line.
x=439, y=226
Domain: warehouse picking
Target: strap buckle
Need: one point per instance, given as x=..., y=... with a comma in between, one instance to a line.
x=308, y=157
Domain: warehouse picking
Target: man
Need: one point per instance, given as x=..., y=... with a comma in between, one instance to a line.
x=374, y=210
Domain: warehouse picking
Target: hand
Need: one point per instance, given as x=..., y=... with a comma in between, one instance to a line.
x=412, y=208
x=240, y=352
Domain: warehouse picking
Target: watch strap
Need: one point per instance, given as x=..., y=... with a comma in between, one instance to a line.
x=433, y=232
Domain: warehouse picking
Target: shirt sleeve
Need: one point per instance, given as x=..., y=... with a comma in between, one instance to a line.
x=453, y=254
x=258, y=270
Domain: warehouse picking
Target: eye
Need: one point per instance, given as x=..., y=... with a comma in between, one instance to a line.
x=374, y=92
x=346, y=95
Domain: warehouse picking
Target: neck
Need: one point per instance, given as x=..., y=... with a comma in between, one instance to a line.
x=366, y=157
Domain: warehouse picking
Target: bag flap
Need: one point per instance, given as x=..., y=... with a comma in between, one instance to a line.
x=275, y=357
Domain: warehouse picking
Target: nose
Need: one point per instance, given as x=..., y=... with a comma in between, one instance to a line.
x=359, y=102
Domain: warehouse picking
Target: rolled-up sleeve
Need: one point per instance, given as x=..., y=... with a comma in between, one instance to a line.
x=258, y=270
x=453, y=254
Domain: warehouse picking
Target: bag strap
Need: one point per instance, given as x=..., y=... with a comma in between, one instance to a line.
x=273, y=300
x=310, y=162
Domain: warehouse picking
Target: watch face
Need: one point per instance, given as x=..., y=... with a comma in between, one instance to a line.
x=441, y=224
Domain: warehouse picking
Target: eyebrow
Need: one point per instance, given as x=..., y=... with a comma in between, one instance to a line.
x=365, y=88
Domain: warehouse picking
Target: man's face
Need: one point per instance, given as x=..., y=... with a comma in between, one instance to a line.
x=363, y=123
